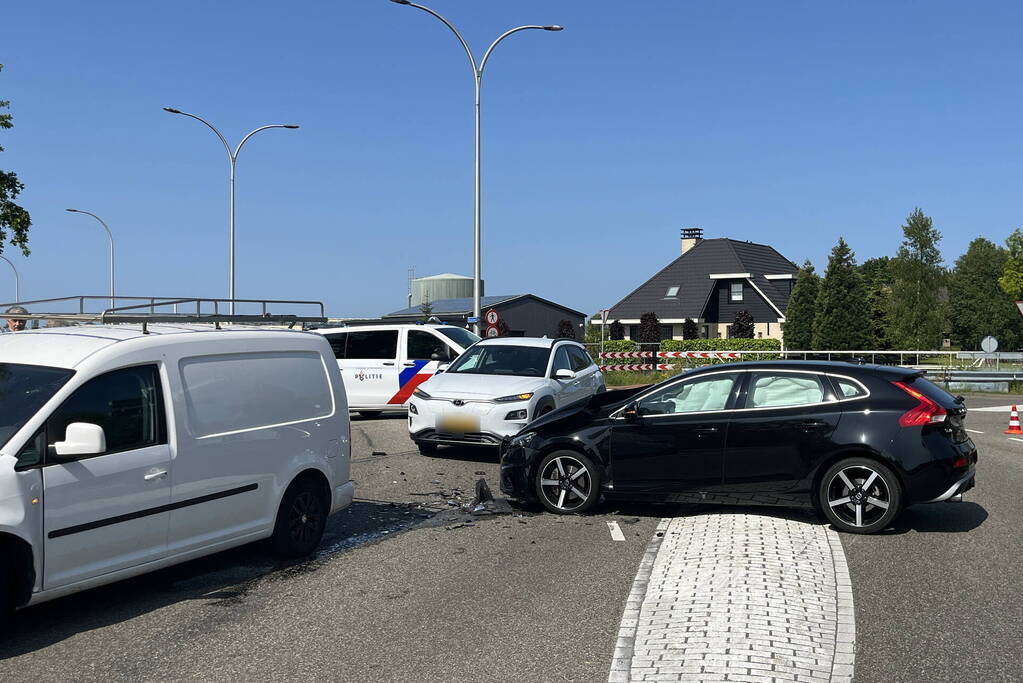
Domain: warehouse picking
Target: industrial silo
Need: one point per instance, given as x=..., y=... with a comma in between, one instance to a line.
x=445, y=286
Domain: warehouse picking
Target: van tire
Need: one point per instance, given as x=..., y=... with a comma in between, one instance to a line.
x=370, y=414
x=6, y=599
x=301, y=519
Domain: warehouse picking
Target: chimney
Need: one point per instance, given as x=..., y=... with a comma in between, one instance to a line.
x=690, y=238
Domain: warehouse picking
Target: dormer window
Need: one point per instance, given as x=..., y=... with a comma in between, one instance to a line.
x=671, y=293
x=736, y=291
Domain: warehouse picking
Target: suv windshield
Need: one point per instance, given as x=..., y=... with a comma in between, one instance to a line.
x=503, y=359
x=463, y=338
x=23, y=391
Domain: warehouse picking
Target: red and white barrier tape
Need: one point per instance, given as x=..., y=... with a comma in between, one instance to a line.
x=720, y=355
x=633, y=368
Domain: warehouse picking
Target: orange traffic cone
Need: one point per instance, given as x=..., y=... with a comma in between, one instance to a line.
x=1014, y=422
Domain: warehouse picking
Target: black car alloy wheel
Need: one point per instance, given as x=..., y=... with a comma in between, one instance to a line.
x=567, y=482
x=859, y=495
x=301, y=519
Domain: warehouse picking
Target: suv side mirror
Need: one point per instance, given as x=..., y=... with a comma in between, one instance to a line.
x=631, y=412
x=82, y=438
x=564, y=374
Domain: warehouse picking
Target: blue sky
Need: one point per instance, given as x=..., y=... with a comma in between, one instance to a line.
x=789, y=123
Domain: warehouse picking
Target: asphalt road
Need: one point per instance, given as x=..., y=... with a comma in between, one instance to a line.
x=411, y=586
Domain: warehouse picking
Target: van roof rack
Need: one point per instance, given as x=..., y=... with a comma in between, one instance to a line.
x=183, y=310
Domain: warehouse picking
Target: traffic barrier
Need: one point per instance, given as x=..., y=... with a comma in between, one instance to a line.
x=633, y=368
x=1014, y=422
x=719, y=355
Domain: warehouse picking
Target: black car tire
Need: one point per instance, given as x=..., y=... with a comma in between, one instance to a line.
x=871, y=504
x=301, y=519
x=370, y=414
x=426, y=448
x=576, y=495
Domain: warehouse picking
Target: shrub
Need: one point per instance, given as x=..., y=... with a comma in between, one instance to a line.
x=616, y=331
x=690, y=330
x=566, y=330
x=742, y=326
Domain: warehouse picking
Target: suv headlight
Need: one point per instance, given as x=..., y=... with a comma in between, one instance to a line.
x=420, y=393
x=516, y=397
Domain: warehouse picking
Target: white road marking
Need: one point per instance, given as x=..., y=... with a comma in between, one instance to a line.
x=974, y=431
x=1012, y=438
x=616, y=531
x=994, y=409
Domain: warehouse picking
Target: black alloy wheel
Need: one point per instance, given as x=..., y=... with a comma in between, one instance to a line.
x=567, y=482
x=301, y=519
x=860, y=496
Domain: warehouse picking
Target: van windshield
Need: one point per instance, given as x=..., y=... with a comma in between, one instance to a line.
x=23, y=391
x=463, y=338
x=501, y=359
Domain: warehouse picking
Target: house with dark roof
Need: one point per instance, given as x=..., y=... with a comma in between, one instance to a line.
x=526, y=315
x=708, y=283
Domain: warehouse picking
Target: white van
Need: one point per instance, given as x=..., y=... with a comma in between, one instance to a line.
x=383, y=364
x=123, y=450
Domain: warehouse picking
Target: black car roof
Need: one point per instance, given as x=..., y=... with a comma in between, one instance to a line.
x=819, y=365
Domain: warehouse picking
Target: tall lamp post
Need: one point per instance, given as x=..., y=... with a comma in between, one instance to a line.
x=477, y=75
x=233, y=159
x=111, y=238
x=17, y=278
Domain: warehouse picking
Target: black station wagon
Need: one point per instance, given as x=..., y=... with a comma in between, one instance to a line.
x=857, y=442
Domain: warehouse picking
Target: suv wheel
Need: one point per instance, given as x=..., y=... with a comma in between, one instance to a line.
x=567, y=482
x=860, y=496
x=301, y=519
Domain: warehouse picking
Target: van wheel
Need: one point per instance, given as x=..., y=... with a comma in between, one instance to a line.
x=301, y=519
x=370, y=414
x=427, y=448
x=6, y=599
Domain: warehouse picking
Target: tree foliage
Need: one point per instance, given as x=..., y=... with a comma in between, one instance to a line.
x=649, y=329
x=978, y=306
x=916, y=312
x=690, y=330
x=14, y=220
x=801, y=309
x=877, y=280
x=566, y=330
x=1011, y=280
x=742, y=326
x=841, y=320
x=425, y=310
x=616, y=331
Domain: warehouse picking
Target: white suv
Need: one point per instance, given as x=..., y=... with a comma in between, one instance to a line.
x=496, y=387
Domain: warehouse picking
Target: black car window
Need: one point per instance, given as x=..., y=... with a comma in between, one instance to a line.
x=337, y=344
x=424, y=346
x=848, y=388
x=561, y=361
x=580, y=361
x=372, y=344
x=698, y=395
x=777, y=389
x=125, y=403
x=23, y=391
x=463, y=338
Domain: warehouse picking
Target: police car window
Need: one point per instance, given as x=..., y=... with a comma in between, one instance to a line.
x=372, y=345
x=337, y=344
x=424, y=346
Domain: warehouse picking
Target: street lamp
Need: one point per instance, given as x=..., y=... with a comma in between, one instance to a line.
x=233, y=157
x=477, y=74
x=17, y=278
x=111, y=238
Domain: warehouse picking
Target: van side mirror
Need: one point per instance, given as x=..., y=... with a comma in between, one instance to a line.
x=564, y=374
x=81, y=438
x=631, y=412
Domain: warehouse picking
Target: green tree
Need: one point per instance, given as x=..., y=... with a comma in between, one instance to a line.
x=801, y=309
x=425, y=310
x=742, y=326
x=841, y=321
x=566, y=330
x=690, y=330
x=877, y=280
x=14, y=220
x=616, y=331
x=977, y=304
x=1011, y=280
x=916, y=312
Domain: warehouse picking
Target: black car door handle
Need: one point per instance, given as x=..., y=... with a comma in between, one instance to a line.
x=812, y=424
x=706, y=430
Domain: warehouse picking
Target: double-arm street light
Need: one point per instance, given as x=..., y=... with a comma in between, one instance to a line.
x=17, y=278
x=477, y=74
x=233, y=158
x=111, y=238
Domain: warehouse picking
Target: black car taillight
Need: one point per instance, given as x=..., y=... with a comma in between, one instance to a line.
x=925, y=412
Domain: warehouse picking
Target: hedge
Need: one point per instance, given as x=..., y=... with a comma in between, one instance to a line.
x=720, y=345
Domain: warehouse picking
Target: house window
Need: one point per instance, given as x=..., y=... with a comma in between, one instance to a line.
x=672, y=292
x=666, y=332
x=736, y=292
x=633, y=332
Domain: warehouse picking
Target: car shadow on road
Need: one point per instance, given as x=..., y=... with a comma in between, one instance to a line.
x=939, y=517
x=466, y=454
x=216, y=580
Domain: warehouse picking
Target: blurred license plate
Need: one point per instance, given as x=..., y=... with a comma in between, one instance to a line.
x=459, y=424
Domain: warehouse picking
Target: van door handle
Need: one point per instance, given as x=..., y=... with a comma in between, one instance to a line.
x=408, y=364
x=156, y=474
x=389, y=363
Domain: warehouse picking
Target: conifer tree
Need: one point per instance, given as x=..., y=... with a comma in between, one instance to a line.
x=916, y=313
x=801, y=309
x=841, y=321
x=977, y=305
